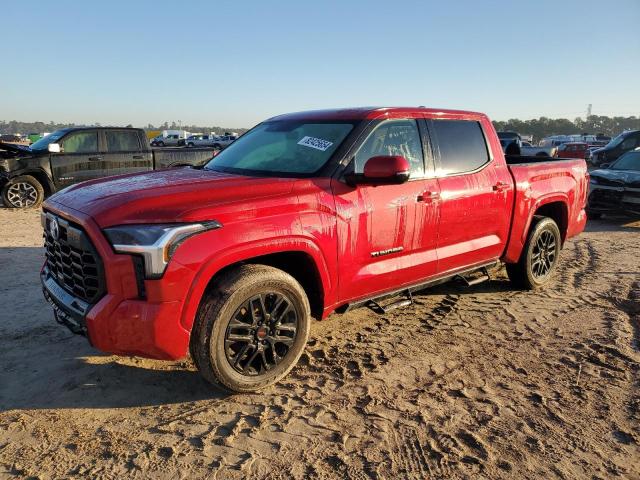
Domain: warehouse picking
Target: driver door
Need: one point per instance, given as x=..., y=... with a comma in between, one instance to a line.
x=386, y=233
x=78, y=160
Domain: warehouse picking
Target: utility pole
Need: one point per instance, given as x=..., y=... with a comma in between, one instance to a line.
x=588, y=111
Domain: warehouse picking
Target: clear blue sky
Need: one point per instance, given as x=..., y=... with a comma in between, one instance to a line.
x=236, y=63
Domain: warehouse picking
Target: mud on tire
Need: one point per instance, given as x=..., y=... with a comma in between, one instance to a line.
x=251, y=328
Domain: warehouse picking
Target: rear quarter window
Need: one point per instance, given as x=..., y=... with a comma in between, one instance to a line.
x=461, y=145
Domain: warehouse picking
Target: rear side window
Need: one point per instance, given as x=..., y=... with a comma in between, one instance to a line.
x=123, y=141
x=461, y=144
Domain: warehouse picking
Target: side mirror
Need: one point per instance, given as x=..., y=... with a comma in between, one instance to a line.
x=54, y=148
x=381, y=170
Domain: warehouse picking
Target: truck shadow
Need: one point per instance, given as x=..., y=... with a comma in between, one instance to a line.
x=614, y=223
x=43, y=365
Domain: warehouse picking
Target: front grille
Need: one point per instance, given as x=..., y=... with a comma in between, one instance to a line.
x=72, y=259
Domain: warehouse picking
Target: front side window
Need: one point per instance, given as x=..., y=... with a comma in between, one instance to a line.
x=125, y=141
x=628, y=143
x=287, y=147
x=393, y=137
x=461, y=144
x=81, y=142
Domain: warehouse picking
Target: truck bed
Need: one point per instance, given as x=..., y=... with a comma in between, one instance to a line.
x=559, y=184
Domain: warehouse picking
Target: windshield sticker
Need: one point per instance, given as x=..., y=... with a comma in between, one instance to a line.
x=317, y=143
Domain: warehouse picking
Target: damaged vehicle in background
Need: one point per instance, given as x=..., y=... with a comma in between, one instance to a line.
x=615, y=187
x=72, y=155
x=624, y=142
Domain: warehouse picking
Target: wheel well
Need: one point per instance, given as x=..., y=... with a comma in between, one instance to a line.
x=557, y=211
x=299, y=265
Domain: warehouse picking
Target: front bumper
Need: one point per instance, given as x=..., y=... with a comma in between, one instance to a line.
x=121, y=322
x=613, y=199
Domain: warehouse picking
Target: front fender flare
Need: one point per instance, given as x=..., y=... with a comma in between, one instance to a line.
x=245, y=253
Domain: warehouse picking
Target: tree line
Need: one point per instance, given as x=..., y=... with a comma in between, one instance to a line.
x=25, y=128
x=539, y=127
x=594, y=124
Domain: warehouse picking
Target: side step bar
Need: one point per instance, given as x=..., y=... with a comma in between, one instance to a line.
x=378, y=307
x=470, y=281
x=376, y=304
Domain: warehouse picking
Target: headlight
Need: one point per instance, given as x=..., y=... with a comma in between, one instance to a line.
x=593, y=181
x=155, y=243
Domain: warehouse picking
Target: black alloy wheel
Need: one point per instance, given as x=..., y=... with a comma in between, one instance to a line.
x=251, y=328
x=260, y=333
x=544, y=254
x=539, y=256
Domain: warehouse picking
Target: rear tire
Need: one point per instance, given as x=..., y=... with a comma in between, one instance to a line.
x=251, y=328
x=23, y=192
x=539, y=256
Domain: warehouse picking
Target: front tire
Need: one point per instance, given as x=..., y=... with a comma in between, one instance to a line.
x=23, y=192
x=251, y=328
x=539, y=256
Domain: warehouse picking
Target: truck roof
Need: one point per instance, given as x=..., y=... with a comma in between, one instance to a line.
x=363, y=113
x=67, y=129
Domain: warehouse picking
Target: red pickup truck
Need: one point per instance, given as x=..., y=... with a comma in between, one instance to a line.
x=306, y=214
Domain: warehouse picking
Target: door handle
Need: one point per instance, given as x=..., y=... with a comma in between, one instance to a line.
x=428, y=197
x=138, y=157
x=501, y=187
x=95, y=158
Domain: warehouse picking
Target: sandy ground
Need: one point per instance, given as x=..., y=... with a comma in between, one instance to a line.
x=481, y=382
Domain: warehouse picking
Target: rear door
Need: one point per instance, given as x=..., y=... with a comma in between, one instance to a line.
x=476, y=195
x=386, y=233
x=123, y=153
x=79, y=158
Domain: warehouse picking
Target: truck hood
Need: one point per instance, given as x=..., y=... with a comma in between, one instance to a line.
x=167, y=196
x=16, y=149
x=607, y=176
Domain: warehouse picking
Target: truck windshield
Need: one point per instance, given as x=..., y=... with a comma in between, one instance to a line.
x=43, y=143
x=284, y=147
x=629, y=161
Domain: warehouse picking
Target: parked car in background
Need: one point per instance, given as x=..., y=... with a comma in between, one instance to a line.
x=554, y=141
x=202, y=141
x=572, y=150
x=534, y=151
x=615, y=187
x=72, y=155
x=623, y=143
x=224, y=141
x=171, y=140
x=306, y=214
